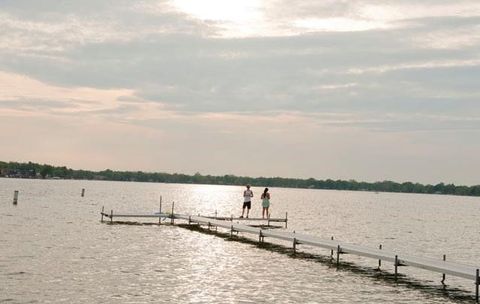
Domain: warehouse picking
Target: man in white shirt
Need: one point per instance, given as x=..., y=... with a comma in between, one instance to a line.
x=247, y=200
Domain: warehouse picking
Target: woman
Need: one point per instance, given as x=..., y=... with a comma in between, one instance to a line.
x=265, y=202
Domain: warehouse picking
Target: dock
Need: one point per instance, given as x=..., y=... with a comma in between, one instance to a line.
x=232, y=224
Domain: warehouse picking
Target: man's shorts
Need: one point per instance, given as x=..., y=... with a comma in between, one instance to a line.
x=248, y=205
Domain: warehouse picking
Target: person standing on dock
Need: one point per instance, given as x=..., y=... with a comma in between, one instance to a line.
x=247, y=200
x=265, y=203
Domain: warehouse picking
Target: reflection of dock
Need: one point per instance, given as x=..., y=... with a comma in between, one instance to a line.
x=232, y=224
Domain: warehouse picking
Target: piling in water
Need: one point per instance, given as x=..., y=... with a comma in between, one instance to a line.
x=15, y=197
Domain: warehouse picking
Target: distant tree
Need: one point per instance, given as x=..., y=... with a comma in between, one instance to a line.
x=29, y=170
x=46, y=171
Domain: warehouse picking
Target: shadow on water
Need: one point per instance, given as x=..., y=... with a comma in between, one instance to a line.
x=432, y=290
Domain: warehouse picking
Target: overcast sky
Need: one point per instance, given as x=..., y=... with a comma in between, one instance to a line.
x=367, y=89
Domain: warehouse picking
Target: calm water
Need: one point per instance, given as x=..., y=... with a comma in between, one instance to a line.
x=54, y=249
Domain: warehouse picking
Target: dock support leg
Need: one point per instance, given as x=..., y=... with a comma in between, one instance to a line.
x=294, y=245
x=231, y=231
x=260, y=237
x=173, y=217
x=111, y=216
x=286, y=219
x=379, y=261
x=443, y=275
x=331, y=251
x=338, y=255
x=216, y=214
x=268, y=220
x=396, y=267
x=189, y=220
x=103, y=210
x=477, y=282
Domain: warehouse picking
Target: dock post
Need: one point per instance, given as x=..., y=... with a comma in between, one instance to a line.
x=443, y=275
x=331, y=251
x=260, y=237
x=103, y=209
x=189, y=219
x=477, y=281
x=231, y=230
x=216, y=214
x=15, y=197
x=231, y=218
x=111, y=216
x=83, y=192
x=172, y=221
x=160, y=212
x=286, y=219
x=268, y=220
x=294, y=245
x=396, y=267
x=379, y=260
x=338, y=255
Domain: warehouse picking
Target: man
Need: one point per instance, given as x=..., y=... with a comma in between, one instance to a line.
x=247, y=200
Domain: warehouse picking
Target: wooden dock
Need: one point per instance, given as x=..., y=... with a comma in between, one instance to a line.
x=440, y=266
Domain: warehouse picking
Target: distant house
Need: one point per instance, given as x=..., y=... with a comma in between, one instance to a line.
x=18, y=173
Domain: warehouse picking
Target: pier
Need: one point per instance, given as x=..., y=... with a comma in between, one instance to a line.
x=232, y=224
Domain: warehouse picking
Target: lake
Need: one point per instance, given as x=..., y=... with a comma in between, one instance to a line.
x=54, y=249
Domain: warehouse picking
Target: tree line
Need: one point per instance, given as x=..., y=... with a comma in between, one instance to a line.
x=34, y=170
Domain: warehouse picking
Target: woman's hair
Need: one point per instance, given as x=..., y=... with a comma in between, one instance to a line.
x=264, y=193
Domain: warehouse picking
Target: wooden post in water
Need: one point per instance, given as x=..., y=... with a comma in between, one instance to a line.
x=15, y=197
x=83, y=192
x=160, y=212
x=443, y=275
x=216, y=214
x=379, y=260
x=477, y=282
x=173, y=219
x=396, y=267
x=331, y=251
x=111, y=216
x=294, y=245
x=286, y=219
x=338, y=255
x=103, y=209
x=231, y=230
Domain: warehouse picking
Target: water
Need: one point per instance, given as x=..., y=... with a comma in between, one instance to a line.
x=53, y=248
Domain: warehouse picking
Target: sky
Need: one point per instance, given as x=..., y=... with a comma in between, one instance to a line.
x=368, y=90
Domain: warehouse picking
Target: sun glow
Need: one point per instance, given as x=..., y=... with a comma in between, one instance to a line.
x=221, y=10
x=232, y=18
